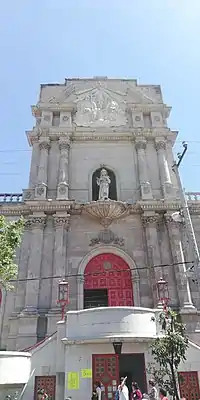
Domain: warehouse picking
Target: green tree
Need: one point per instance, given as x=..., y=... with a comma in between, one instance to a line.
x=10, y=238
x=168, y=351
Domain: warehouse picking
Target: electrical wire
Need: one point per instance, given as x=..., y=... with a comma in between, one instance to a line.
x=100, y=273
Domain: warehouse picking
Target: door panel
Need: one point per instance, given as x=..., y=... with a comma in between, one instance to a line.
x=105, y=368
x=45, y=382
x=189, y=385
x=111, y=272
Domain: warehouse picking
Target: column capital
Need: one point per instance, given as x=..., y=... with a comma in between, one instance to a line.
x=160, y=144
x=171, y=222
x=34, y=222
x=150, y=220
x=140, y=144
x=44, y=144
x=64, y=143
x=61, y=221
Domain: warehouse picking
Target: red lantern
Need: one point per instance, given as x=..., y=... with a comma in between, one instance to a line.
x=63, y=295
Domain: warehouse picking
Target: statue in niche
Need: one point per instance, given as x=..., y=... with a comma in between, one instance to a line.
x=103, y=182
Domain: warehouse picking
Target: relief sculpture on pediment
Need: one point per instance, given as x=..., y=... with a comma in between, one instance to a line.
x=97, y=108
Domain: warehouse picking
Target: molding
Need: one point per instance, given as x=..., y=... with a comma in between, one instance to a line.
x=100, y=134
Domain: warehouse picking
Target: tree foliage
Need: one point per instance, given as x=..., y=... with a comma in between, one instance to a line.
x=10, y=238
x=168, y=351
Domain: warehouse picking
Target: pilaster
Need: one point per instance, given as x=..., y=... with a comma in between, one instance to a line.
x=23, y=267
x=63, y=182
x=41, y=188
x=61, y=224
x=166, y=183
x=145, y=186
x=37, y=224
x=182, y=282
x=149, y=222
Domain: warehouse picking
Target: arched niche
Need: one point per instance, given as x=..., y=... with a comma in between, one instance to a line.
x=112, y=188
x=127, y=264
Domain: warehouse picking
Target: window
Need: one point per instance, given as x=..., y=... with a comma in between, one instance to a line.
x=56, y=119
x=95, y=298
x=112, y=188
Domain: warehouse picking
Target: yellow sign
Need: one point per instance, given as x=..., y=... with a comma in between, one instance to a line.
x=73, y=380
x=86, y=373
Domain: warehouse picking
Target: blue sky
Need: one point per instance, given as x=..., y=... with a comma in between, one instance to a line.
x=154, y=41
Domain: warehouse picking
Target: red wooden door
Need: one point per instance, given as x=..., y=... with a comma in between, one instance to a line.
x=48, y=383
x=111, y=272
x=189, y=385
x=105, y=368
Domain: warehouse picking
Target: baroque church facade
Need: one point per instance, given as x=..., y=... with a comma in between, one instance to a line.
x=98, y=212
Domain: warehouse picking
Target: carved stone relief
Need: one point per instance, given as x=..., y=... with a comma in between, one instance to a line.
x=107, y=237
x=98, y=108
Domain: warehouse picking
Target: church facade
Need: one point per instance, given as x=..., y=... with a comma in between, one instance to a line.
x=98, y=212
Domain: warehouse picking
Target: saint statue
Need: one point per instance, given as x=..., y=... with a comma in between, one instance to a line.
x=103, y=182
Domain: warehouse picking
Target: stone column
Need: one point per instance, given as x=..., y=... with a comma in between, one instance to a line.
x=153, y=253
x=183, y=287
x=145, y=186
x=41, y=188
x=37, y=225
x=61, y=223
x=23, y=268
x=63, y=180
x=27, y=334
x=165, y=177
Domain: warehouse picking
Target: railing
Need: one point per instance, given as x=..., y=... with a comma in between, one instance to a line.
x=10, y=197
x=193, y=196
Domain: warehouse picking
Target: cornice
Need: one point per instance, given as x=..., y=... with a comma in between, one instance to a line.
x=151, y=107
x=99, y=135
x=54, y=106
x=28, y=207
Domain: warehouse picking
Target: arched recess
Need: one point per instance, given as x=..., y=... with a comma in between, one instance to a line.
x=122, y=258
x=113, y=184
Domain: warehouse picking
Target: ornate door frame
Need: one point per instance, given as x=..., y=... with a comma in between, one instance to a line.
x=114, y=275
x=118, y=252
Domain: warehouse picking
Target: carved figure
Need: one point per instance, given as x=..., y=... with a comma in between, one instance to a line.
x=103, y=182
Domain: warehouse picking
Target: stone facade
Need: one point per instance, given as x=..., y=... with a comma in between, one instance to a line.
x=82, y=126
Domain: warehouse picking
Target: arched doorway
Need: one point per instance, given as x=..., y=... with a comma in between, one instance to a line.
x=107, y=282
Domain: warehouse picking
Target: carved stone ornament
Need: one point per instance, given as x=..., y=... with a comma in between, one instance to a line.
x=107, y=237
x=140, y=144
x=36, y=222
x=106, y=211
x=28, y=194
x=61, y=221
x=44, y=144
x=97, y=107
x=62, y=191
x=47, y=117
x=160, y=145
x=64, y=143
x=40, y=191
x=149, y=220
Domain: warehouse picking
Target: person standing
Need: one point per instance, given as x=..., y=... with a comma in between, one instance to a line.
x=136, y=392
x=163, y=394
x=123, y=389
x=153, y=392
